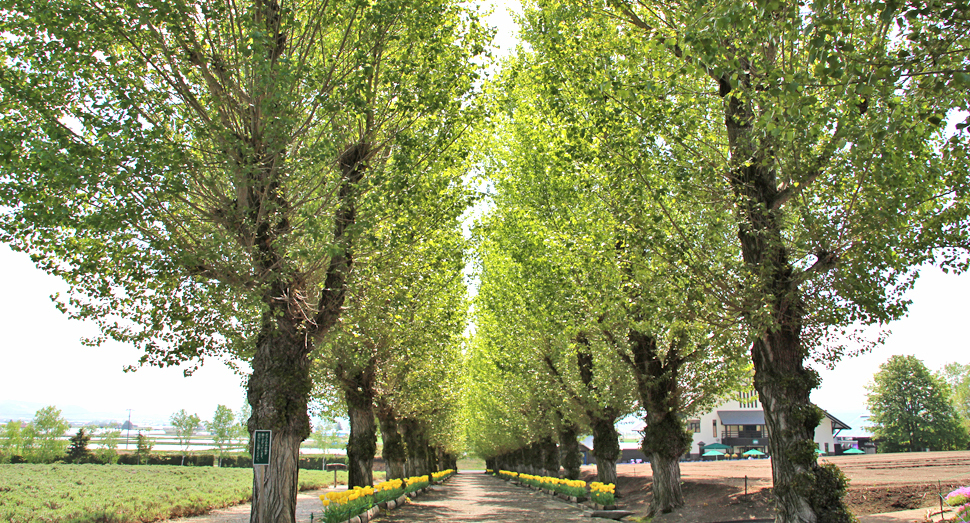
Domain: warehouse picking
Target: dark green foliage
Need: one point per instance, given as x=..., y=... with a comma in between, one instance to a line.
x=78, y=451
x=911, y=409
x=826, y=497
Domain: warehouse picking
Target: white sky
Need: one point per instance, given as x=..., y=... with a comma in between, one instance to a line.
x=43, y=361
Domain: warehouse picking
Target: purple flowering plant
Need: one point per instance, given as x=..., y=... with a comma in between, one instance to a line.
x=960, y=498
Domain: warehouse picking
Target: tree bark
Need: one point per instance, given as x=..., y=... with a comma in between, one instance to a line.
x=417, y=460
x=278, y=392
x=606, y=440
x=550, y=457
x=606, y=448
x=665, y=438
x=394, y=451
x=804, y=492
x=571, y=458
x=362, y=443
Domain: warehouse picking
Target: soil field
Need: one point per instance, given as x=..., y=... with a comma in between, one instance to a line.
x=715, y=491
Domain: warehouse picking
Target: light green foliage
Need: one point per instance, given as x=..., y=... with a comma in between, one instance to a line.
x=107, y=451
x=201, y=174
x=185, y=425
x=181, y=236
x=222, y=428
x=144, y=447
x=44, y=433
x=402, y=330
x=911, y=410
x=77, y=493
x=11, y=440
x=957, y=376
x=810, y=133
x=242, y=418
x=325, y=436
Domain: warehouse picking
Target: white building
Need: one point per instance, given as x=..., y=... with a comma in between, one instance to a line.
x=740, y=424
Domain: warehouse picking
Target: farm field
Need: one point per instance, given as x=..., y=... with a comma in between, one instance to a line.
x=123, y=494
x=878, y=483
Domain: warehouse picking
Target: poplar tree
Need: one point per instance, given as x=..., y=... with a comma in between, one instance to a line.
x=199, y=171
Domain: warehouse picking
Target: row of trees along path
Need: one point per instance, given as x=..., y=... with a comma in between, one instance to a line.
x=676, y=188
x=479, y=497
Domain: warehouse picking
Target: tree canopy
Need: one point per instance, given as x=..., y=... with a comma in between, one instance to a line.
x=911, y=409
x=675, y=188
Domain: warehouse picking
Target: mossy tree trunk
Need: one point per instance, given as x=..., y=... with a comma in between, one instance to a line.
x=665, y=437
x=804, y=492
x=550, y=457
x=606, y=448
x=362, y=442
x=395, y=450
x=571, y=457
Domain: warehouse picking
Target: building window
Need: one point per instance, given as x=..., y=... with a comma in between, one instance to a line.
x=826, y=448
x=715, y=429
x=694, y=426
x=748, y=400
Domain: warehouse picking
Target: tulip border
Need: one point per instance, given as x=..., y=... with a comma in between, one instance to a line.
x=361, y=504
x=600, y=496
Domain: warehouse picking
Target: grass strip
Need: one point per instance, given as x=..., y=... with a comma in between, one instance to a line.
x=126, y=494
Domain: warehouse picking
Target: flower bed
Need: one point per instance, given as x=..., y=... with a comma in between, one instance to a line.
x=439, y=477
x=566, y=487
x=416, y=483
x=345, y=505
x=602, y=494
x=960, y=498
x=599, y=493
x=508, y=475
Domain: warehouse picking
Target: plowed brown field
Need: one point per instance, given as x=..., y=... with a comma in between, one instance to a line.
x=715, y=490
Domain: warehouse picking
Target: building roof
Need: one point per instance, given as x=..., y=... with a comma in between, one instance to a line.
x=836, y=422
x=741, y=417
x=757, y=417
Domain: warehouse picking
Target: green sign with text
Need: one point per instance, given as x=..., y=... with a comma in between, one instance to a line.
x=261, y=445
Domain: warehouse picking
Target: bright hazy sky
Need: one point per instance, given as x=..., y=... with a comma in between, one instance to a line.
x=43, y=361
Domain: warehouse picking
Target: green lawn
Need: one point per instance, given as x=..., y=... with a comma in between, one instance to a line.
x=466, y=464
x=122, y=494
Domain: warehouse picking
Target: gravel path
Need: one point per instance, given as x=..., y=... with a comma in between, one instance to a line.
x=306, y=502
x=472, y=497
x=477, y=497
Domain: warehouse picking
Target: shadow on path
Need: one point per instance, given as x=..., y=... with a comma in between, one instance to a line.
x=476, y=497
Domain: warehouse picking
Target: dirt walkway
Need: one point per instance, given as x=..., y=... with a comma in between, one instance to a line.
x=476, y=497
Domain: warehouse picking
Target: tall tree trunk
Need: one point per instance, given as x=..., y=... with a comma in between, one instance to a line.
x=431, y=458
x=804, y=492
x=362, y=443
x=606, y=440
x=665, y=438
x=606, y=448
x=394, y=451
x=416, y=461
x=550, y=457
x=278, y=391
x=571, y=457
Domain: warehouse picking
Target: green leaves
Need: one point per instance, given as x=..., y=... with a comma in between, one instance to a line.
x=911, y=410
